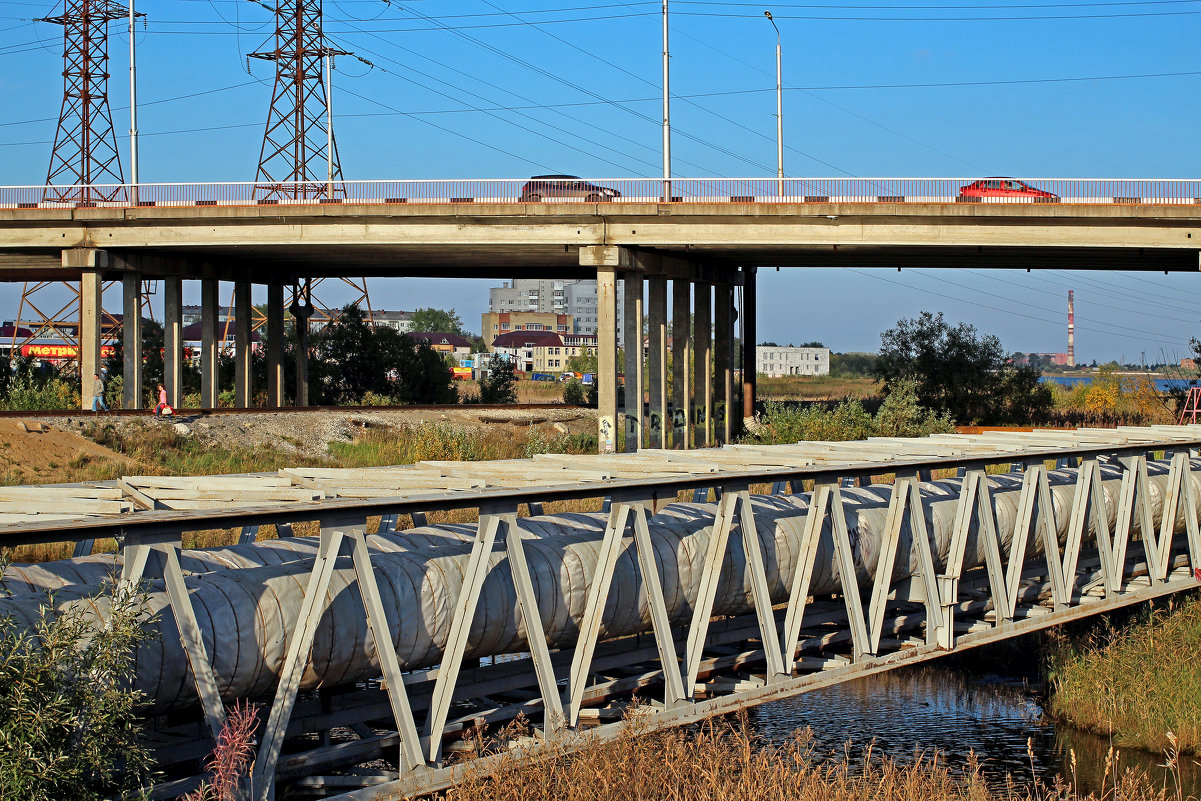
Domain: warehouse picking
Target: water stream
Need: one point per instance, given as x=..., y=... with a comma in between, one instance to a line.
x=919, y=710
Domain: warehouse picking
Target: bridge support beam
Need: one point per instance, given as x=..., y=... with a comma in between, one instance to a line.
x=633, y=361
x=243, y=391
x=657, y=360
x=723, y=360
x=749, y=336
x=275, y=344
x=681, y=327
x=608, y=260
x=702, y=366
x=210, y=311
x=131, y=340
x=173, y=339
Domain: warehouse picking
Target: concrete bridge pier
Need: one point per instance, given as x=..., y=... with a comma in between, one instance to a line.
x=91, y=264
x=633, y=361
x=749, y=335
x=681, y=367
x=243, y=389
x=657, y=421
x=723, y=360
x=275, y=344
x=702, y=408
x=210, y=310
x=131, y=341
x=173, y=339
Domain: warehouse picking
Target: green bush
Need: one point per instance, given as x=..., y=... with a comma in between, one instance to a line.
x=500, y=385
x=902, y=416
x=26, y=393
x=68, y=724
x=573, y=393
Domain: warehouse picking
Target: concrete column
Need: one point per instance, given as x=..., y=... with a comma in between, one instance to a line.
x=606, y=358
x=91, y=309
x=131, y=340
x=657, y=360
x=703, y=380
x=633, y=366
x=275, y=344
x=749, y=337
x=210, y=362
x=723, y=335
x=681, y=373
x=243, y=391
x=302, y=310
x=173, y=340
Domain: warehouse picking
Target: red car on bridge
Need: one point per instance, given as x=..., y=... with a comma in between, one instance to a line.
x=1004, y=190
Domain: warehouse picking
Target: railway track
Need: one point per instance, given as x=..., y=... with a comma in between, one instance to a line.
x=433, y=407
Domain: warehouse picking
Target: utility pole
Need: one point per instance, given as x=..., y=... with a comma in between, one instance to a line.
x=133, y=107
x=779, y=113
x=666, y=112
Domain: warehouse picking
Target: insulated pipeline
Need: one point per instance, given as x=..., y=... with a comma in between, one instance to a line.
x=246, y=615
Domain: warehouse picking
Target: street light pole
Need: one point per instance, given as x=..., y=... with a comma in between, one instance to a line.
x=329, y=125
x=666, y=113
x=779, y=113
x=133, y=107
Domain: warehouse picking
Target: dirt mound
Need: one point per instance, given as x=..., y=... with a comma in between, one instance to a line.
x=31, y=452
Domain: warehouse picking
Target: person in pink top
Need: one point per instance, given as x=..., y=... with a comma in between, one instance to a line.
x=163, y=406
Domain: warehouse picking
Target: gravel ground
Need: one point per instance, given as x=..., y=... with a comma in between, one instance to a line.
x=310, y=433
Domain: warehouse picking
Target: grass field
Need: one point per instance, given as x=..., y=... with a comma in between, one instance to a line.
x=820, y=387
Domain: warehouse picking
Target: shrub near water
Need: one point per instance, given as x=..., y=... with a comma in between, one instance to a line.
x=1136, y=684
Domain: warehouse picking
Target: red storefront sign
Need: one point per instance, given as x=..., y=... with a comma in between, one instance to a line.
x=61, y=352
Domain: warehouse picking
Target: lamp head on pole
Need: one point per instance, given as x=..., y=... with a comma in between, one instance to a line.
x=772, y=21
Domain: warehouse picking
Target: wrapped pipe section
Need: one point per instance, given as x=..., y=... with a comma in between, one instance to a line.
x=247, y=613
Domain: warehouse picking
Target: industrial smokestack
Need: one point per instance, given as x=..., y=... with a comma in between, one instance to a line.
x=1071, y=329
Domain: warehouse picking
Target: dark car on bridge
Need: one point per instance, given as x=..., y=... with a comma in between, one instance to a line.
x=567, y=187
x=1004, y=190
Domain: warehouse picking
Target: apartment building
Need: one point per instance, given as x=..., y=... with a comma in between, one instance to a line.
x=493, y=324
x=575, y=298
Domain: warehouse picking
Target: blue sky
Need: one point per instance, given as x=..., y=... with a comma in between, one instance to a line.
x=873, y=89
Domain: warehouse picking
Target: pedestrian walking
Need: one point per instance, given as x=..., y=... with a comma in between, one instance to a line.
x=163, y=407
x=98, y=403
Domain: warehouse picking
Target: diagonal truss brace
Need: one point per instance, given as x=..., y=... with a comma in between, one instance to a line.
x=826, y=503
x=733, y=508
x=330, y=547
x=624, y=513
x=1181, y=491
x=493, y=521
x=1134, y=502
x=136, y=555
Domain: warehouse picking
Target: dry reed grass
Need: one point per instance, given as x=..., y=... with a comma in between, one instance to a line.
x=1139, y=684
x=725, y=760
x=817, y=387
x=527, y=391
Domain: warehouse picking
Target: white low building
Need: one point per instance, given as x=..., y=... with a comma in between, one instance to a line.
x=775, y=361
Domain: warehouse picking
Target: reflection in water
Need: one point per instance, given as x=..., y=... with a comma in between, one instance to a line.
x=912, y=710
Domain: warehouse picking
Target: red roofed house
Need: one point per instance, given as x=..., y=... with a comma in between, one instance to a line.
x=453, y=344
x=542, y=351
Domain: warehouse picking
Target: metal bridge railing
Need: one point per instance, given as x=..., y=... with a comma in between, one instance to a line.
x=597, y=191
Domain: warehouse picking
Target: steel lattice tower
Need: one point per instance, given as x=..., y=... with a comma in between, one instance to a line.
x=295, y=142
x=85, y=161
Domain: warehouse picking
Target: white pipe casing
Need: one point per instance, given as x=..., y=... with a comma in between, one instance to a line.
x=246, y=614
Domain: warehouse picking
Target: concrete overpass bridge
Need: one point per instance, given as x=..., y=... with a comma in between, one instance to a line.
x=704, y=237
x=692, y=588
